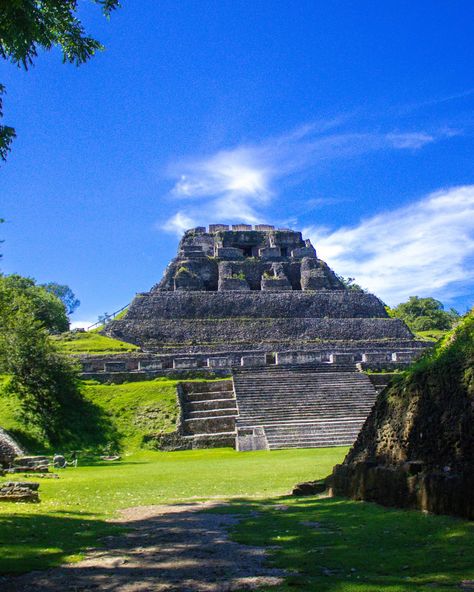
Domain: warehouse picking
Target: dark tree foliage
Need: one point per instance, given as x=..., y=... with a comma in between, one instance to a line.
x=42, y=377
x=65, y=294
x=27, y=26
x=45, y=306
x=425, y=314
x=351, y=284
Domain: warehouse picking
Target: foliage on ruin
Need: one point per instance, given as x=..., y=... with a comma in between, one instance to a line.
x=28, y=26
x=350, y=284
x=425, y=414
x=425, y=314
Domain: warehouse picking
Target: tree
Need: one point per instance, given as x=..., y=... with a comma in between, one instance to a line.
x=425, y=314
x=46, y=307
x=350, y=283
x=26, y=26
x=41, y=376
x=65, y=294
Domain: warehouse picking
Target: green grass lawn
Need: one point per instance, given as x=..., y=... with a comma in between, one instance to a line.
x=92, y=342
x=328, y=545
x=73, y=509
x=337, y=545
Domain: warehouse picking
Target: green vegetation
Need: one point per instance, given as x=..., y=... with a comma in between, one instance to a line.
x=91, y=342
x=45, y=307
x=238, y=276
x=73, y=509
x=106, y=417
x=136, y=409
x=65, y=294
x=331, y=545
x=424, y=314
x=335, y=545
x=42, y=378
x=350, y=284
x=433, y=335
x=454, y=350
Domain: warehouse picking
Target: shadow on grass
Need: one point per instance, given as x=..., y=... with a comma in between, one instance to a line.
x=328, y=545
x=40, y=541
x=337, y=545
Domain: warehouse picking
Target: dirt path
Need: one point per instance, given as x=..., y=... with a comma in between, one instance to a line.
x=167, y=548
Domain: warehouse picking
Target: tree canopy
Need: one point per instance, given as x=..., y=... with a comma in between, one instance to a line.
x=46, y=307
x=27, y=26
x=65, y=294
x=425, y=314
x=39, y=374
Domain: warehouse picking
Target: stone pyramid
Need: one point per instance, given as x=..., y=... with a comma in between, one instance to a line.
x=260, y=293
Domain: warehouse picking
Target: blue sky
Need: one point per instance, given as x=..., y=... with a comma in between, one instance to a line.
x=351, y=120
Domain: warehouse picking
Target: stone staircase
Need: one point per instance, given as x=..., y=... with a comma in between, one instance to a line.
x=301, y=406
x=208, y=412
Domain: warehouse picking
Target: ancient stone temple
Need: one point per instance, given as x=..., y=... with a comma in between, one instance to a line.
x=258, y=304
x=255, y=296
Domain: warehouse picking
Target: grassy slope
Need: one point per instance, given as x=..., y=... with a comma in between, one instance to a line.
x=111, y=416
x=433, y=335
x=92, y=342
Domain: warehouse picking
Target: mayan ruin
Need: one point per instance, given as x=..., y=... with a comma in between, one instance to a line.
x=236, y=296
x=258, y=303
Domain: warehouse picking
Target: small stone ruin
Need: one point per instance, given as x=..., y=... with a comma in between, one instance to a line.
x=19, y=491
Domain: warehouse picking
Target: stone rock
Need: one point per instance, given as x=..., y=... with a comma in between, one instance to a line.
x=19, y=492
x=309, y=488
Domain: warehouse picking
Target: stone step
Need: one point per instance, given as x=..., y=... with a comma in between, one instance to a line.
x=211, y=404
x=209, y=413
x=305, y=407
x=209, y=425
x=208, y=395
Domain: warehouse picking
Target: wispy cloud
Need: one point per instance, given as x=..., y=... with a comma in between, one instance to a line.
x=237, y=184
x=413, y=140
x=424, y=249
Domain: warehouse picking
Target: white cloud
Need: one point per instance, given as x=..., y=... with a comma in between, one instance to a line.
x=236, y=185
x=410, y=140
x=424, y=249
x=179, y=223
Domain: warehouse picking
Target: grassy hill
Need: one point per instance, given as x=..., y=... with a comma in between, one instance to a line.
x=110, y=416
x=91, y=342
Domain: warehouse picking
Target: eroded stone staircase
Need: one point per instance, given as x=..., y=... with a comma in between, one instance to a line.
x=304, y=406
x=208, y=411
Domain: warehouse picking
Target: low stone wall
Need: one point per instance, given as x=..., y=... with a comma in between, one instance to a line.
x=252, y=304
x=143, y=366
x=407, y=486
x=162, y=333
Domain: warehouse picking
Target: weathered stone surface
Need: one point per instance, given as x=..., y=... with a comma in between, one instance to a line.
x=258, y=289
x=309, y=488
x=416, y=448
x=13, y=491
x=9, y=448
